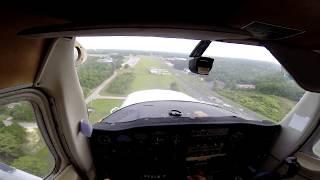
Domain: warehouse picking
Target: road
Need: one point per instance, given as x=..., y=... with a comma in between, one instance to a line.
x=201, y=91
x=28, y=125
x=192, y=86
x=95, y=94
x=133, y=60
x=110, y=97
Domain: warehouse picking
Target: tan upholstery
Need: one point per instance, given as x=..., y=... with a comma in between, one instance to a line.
x=19, y=57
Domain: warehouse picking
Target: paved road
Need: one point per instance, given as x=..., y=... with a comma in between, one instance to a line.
x=195, y=88
x=133, y=60
x=28, y=125
x=95, y=93
x=202, y=92
x=110, y=97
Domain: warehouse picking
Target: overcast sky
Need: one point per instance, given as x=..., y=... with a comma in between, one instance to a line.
x=176, y=45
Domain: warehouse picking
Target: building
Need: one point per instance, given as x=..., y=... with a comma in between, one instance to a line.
x=105, y=60
x=159, y=71
x=246, y=86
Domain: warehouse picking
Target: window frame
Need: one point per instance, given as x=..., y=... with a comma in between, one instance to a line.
x=313, y=140
x=44, y=120
x=314, y=147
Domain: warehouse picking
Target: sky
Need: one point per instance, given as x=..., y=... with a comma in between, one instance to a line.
x=217, y=49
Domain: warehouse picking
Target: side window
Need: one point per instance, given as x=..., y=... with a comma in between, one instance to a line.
x=23, y=151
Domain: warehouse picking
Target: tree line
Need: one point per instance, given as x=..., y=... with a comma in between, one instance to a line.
x=19, y=112
x=268, y=78
x=13, y=151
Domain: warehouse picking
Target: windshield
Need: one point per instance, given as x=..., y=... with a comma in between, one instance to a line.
x=246, y=80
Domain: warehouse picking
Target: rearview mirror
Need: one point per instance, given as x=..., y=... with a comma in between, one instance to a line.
x=201, y=65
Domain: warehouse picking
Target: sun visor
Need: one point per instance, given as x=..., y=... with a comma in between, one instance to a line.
x=155, y=30
x=266, y=31
x=303, y=65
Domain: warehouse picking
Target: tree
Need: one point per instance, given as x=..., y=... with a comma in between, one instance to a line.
x=126, y=66
x=118, y=63
x=9, y=147
x=32, y=164
x=1, y=124
x=16, y=130
x=174, y=86
x=278, y=85
x=3, y=109
x=231, y=84
x=92, y=73
x=22, y=112
x=11, y=139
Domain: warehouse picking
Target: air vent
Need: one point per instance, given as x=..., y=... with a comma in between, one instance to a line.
x=270, y=32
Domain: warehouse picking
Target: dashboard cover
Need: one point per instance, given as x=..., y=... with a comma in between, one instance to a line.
x=180, y=147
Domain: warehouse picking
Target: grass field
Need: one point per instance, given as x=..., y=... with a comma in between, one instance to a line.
x=3, y=117
x=35, y=157
x=101, y=108
x=145, y=80
x=142, y=78
x=120, y=85
x=270, y=106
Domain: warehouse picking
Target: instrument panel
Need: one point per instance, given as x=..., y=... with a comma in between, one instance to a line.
x=214, y=148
